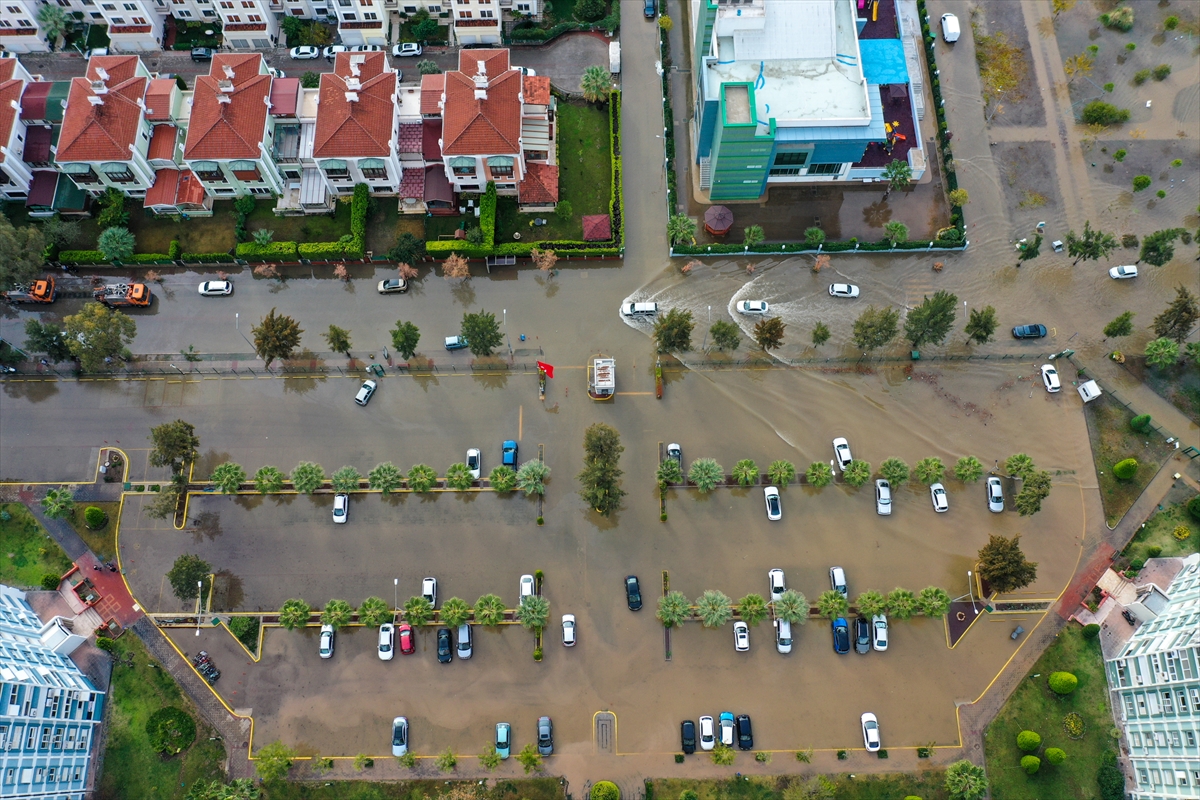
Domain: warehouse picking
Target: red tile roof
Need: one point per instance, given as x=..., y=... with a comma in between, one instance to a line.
x=431, y=133
x=482, y=127
x=539, y=186
x=497, y=61
x=173, y=187
x=106, y=131
x=597, y=228
x=431, y=93
x=537, y=90
x=162, y=142
x=10, y=92
x=8, y=67
x=356, y=128
x=235, y=129
x=158, y=98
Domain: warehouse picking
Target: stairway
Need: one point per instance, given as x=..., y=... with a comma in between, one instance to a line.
x=86, y=622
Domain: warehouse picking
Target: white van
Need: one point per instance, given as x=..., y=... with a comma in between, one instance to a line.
x=783, y=636
x=639, y=309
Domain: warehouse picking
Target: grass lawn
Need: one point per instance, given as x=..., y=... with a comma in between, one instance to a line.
x=1179, y=385
x=313, y=228
x=196, y=235
x=1034, y=707
x=527, y=789
x=927, y=784
x=132, y=770
x=1158, y=532
x=29, y=552
x=103, y=542
x=1112, y=441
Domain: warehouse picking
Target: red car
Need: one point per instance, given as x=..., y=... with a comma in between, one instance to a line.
x=407, y=646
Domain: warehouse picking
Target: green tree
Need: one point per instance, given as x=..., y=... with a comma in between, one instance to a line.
x=228, y=477
x=958, y=197
x=175, y=445
x=1120, y=326
x=875, y=327
x=673, y=331
x=1159, y=247
x=276, y=337
x=590, y=11
x=752, y=609
x=337, y=613
x=819, y=474
x=240, y=789
x=605, y=790
x=489, y=610
x=933, y=601
x=455, y=612
x=20, y=253
x=898, y=174
x=405, y=337
x=820, y=334
x=929, y=470
x=166, y=503
x=307, y=477
x=673, y=609
x=768, y=333
x=831, y=604
x=792, y=606
x=274, y=761
x=714, y=608
x=901, y=603
x=47, y=337
x=895, y=232
x=346, y=479
x=385, y=477
x=723, y=755
x=531, y=477
x=421, y=478
x=871, y=603
x=1174, y=323
x=725, y=335
x=1092, y=246
x=706, y=473
x=408, y=249
x=781, y=473
x=857, y=473
x=1019, y=465
x=1003, y=565
x=98, y=333
x=1099, y=112
x=116, y=244
x=53, y=22
x=427, y=67
x=268, y=479
x=932, y=320
x=1034, y=489
x=1141, y=182
x=113, y=213
x=601, y=475
x=503, y=478
x=489, y=758
x=294, y=614
x=262, y=236
x=338, y=339
x=418, y=610
x=968, y=469
x=745, y=472
x=458, y=477
x=482, y=332
x=596, y=83
x=375, y=611
x=965, y=781
x=530, y=759
x=533, y=613
x=1162, y=353
x=426, y=30
x=681, y=229
x=753, y=235
x=981, y=325
x=187, y=574
x=813, y=237
x=894, y=471
x=58, y=503
x=310, y=79
x=668, y=472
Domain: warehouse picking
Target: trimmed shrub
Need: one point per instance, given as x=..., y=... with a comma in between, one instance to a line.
x=272, y=250
x=1141, y=182
x=1119, y=19
x=174, y=250
x=94, y=518
x=1099, y=112
x=1161, y=72
x=1193, y=507
x=82, y=257
x=605, y=790
x=1091, y=631
x=1063, y=683
x=1031, y=764
x=1137, y=563
x=1126, y=469
x=1029, y=741
x=50, y=581
x=1055, y=755
x=171, y=730
x=487, y=215
x=1153, y=551
x=1140, y=423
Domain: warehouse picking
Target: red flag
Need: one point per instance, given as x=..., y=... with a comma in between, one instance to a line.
x=547, y=368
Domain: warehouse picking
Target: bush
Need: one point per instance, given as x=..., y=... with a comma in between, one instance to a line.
x=1153, y=551
x=1029, y=741
x=1119, y=19
x=174, y=250
x=1030, y=764
x=105, y=644
x=1140, y=423
x=1137, y=563
x=1099, y=112
x=275, y=251
x=1141, y=182
x=1161, y=72
x=1141, y=76
x=1193, y=507
x=1055, y=755
x=50, y=581
x=605, y=790
x=171, y=730
x=94, y=518
x=1063, y=683
x=1110, y=779
x=82, y=257
x=1091, y=631
x=246, y=631
x=1126, y=469
x=487, y=215
x=1181, y=532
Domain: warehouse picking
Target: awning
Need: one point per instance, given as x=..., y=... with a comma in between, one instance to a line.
x=162, y=193
x=285, y=97
x=69, y=198
x=41, y=189
x=43, y=100
x=313, y=191
x=437, y=187
x=38, y=139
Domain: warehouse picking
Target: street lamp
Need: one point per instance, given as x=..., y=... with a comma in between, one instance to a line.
x=395, y=595
x=704, y=346
x=237, y=323
x=199, y=599
x=506, y=336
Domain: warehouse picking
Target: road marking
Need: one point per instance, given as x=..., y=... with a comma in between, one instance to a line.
x=520, y=421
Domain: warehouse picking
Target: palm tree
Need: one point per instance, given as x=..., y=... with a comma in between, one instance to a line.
x=531, y=477
x=596, y=84
x=929, y=470
x=262, y=236
x=337, y=613
x=268, y=479
x=968, y=469
x=503, y=478
x=933, y=601
x=58, y=503
x=714, y=608
x=831, y=604
x=417, y=610
x=681, y=229
x=894, y=471
x=294, y=614
x=673, y=609
x=53, y=22
x=374, y=611
x=706, y=473
x=857, y=473
x=792, y=607
x=1019, y=465
x=819, y=474
x=385, y=477
x=781, y=473
x=489, y=610
x=421, y=478
x=745, y=472
x=534, y=613
x=752, y=609
x=901, y=603
x=669, y=472
x=458, y=476
x=455, y=612
x=871, y=603
x=345, y=480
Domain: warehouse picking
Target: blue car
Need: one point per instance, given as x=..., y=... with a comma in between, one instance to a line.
x=841, y=636
x=503, y=739
x=508, y=455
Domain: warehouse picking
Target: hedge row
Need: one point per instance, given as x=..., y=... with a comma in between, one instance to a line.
x=487, y=214
x=801, y=247
x=175, y=255
x=256, y=250
x=541, y=35
x=352, y=247
x=935, y=86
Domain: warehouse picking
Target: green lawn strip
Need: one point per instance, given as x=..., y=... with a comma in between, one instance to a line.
x=28, y=551
x=1034, y=707
x=307, y=228
x=926, y=784
x=102, y=542
x=1158, y=531
x=1113, y=440
x=132, y=770
x=527, y=789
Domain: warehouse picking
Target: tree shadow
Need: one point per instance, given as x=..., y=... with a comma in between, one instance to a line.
x=208, y=461
x=206, y=525
x=34, y=392
x=463, y=293
x=877, y=214
x=491, y=380
x=228, y=591
x=601, y=522
x=249, y=501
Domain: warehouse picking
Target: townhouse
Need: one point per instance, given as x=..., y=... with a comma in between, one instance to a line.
x=15, y=174
x=358, y=125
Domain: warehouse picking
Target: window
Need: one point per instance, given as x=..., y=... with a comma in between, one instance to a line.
x=791, y=159
x=254, y=18
x=369, y=15
x=349, y=17
x=108, y=6
x=335, y=169
x=226, y=4
x=83, y=740
x=245, y=170
x=139, y=20
x=435, y=9
x=1191, y=738
x=31, y=739
x=117, y=172
x=500, y=166
x=1135, y=739
x=259, y=190
x=51, y=775
x=462, y=166
x=118, y=20
x=77, y=773
x=1176, y=741
x=58, y=737
x=39, y=775
x=46, y=732
x=410, y=9
x=824, y=169
x=131, y=7
x=208, y=171
x=485, y=14
x=464, y=15
x=10, y=775
x=373, y=169
x=524, y=7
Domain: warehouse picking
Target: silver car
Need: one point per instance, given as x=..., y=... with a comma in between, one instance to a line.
x=399, y=736
x=883, y=497
x=995, y=495
x=464, y=641
x=568, y=623
x=326, y=641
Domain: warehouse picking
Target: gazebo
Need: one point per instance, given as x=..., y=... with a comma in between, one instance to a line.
x=597, y=228
x=718, y=220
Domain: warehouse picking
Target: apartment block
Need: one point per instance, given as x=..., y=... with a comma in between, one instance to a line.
x=248, y=24
x=19, y=29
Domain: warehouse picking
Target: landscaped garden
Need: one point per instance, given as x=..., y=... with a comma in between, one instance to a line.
x=1173, y=531
x=1114, y=441
x=98, y=530
x=925, y=784
x=29, y=554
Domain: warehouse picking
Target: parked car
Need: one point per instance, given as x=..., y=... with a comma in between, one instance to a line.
x=995, y=495
x=870, y=729
x=745, y=734
x=950, y=29
x=1123, y=273
x=406, y=49
x=526, y=589
x=756, y=307
x=508, y=453
x=1029, y=331
x=94, y=51
x=399, y=736
x=675, y=453
x=474, y=462
x=726, y=725
x=883, y=497
x=633, y=593
x=741, y=636
x=464, y=641
x=332, y=50
x=837, y=581
x=774, y=509
x=777, y=584
x=367, y=48
x=862, y=635
x=783, y=635
x=341, y=507
x=429, y=591
x=1128, y=616
x=841, y=453
x=326, y=641
x=545, y=733
x=687, y=737
x=648, y=9
x=568, y=623
x=843, y=290
x=407, y=645
x=503, y=739
x=445, y=656
x=305, y=52
x=708, y=738
x=528, y=72
x=879, y=626
x=841, y=636
x=941, y=501
x=365, y=392
x=200, y=53
x=393, y=286
x=1050, y=378
x=216, y=288
x=276, y=73
x=456, y=343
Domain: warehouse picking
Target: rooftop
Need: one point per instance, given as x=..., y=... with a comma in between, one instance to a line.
x=158, y=98
x=229, y=114
x=104, y=110
x=482, y=115
x=11, y=89
x=357, y=103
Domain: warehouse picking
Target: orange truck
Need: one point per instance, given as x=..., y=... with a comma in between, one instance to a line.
x=43, y=291
x=121, y=295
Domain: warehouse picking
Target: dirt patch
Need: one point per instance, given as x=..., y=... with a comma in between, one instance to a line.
x=1001, y=37
x=1113, y=440
x=1171, y=165
x=1028, y=177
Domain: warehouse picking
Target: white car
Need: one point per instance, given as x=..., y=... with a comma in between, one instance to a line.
x=305, y=52
x=843, y=290
x=326, y=641
x=837, y=581
x=387, y=641
x=708, y=738
x=332, y=50
x=216, y=288
x=399, y=736
x=429, y=591
x=741, y=636
x=783, y=636
x=774, y=509
x=777, y=583
x=405, y=49
x=883, y=497
x=870, y=729
x=341, y=507
x=367, y=48
x=841, y=453
x=995, y=495
x=528, y=72
x=568, y=622
x=950, y=29
x=1050, y=378
x=753, y=307
x=879, y=632
x=473, y=462
x=1123, y=273
x=941, y=502
x=526, y=588
x=365, y=391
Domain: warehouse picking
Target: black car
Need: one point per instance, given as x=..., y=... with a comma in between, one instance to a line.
x=745, y=735
x=1029, y=331
x=444, y=646
x=633, y=593
x=687, y=736
x=649, y=9
x=1128, y=617
x=862, y=635
x=841, y=636
x=202, y=53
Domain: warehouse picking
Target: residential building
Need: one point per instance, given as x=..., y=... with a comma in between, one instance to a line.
x=358, y=125
x=19, y=29
x=800, y=92
x=477, y=21
x=1154, y=677
x=176, y=189
x=49, y=722
x=15, y=174
x=363, y=21
x=43, y=105
x=188, y=10
x=230, y=134
x=133, y=25
x=248, y=24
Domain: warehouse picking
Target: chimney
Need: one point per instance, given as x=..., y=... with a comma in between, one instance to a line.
x=228, y=71
x=225, y=87
x=481, y=83
x=353, y=84
x=224, y=98
x=99, y=87
x=351, y=97
x=94, y=100
x=101, y=74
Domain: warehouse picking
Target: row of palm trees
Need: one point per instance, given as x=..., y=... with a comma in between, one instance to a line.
x=706, y=474
x=714, y=608
x=489, y=611
x=308, y=477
